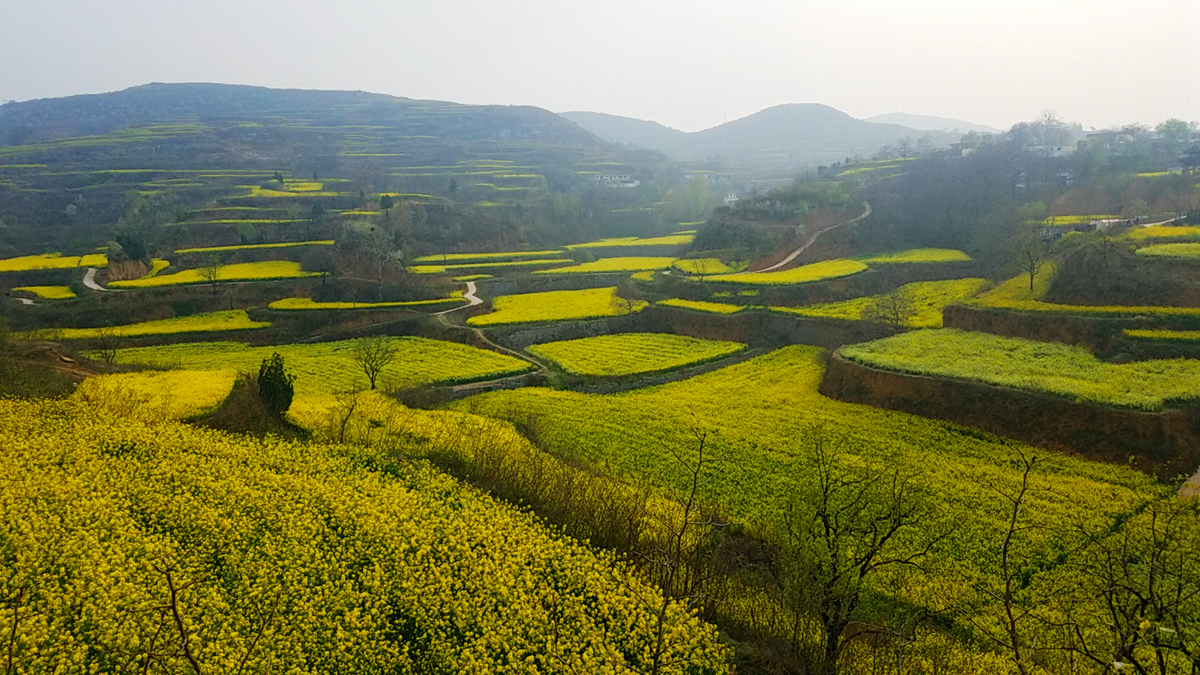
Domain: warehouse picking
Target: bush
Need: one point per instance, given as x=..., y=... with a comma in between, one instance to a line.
x=275, y=385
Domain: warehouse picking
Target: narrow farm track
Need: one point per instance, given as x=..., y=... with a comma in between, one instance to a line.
x=25, y=301
x=811, y=240
x=89, y=280
x=472, y=301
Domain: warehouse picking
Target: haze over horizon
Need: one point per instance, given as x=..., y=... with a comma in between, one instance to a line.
x=687, y=65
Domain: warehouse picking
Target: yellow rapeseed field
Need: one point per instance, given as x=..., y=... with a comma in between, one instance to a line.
x=484, y=265
x=592, y=303
x=917, y=255
x=1052, y=368
x=251, y=271
x=485, y=257
x=48, y=292
x=247, y=247
x=702, y=306
x=131, y=538
x=197, y=323
x=158, y=394
x=291, y=304
x=828, y=269
x=1185, y=251
x=1015, y=294
x=613, y=265
x=52, y=261
x=1163, y=232
x=702, y=266
x=924, y=299
x=632, y=353
x=678, y=239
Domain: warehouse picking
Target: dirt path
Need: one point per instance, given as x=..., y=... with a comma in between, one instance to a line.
x=89, y=280
x=472, y=301
x=811, y=240
x=1192, y=487
x=25, y=301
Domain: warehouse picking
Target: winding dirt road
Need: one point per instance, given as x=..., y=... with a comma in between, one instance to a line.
x=472, y=301
x=794, y=254
x=89, y=280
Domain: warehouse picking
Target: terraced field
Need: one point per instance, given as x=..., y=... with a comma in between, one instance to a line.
x=632, y=353
x=1050, y=368
x=702, y=266
x=251, y=247
x=592, y=303
x=1015, y=294
x=702, y=306
x=828, y=269
x=484, y=265
x=252, y=271
x=48, y=292
x=1160, y=232
x=602, y=265
x=922, y=303
x=1181, y=251
x=52, y=261
x=158, y=394
x=916, y=255
x=455, y=258
x=669, y=240
x=197, y=323
x=324, y=369
x=301, y=304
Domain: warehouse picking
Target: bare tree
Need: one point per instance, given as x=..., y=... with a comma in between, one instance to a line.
x=895, y=309
x=372, y=355
x=1030, y=254
x=210, y=270
x=108, y=341
x=842, y=529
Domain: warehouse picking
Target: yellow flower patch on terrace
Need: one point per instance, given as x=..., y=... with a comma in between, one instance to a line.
x=252, y=271
x=926, y=300
x=647, y=275
x=52, y=261
x=702, y=306
x=473, y=277
x=828, y=269
x=157, y=266
x=592, y=303
x=669, y=240
x=702, y=266
x=1184, y=251
x=197, y=323
x=917, y=255
x=48, y=292
x=327, y=368
x=1050, y=368
x=300, y=304
x=632, y=353
x=485, y=257
x=1164, y=335
x=442, y=269
x=1014, y=294
x=1163, y=232
x=613, y=265
x=246, y=247
x=159, y=394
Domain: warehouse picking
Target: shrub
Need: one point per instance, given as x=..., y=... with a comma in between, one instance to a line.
x=275, y=385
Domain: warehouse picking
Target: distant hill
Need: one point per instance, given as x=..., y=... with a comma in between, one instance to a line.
x=931, y=123
x=779, y=139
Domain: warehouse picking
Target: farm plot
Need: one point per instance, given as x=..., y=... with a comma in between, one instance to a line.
x=252, y=271
x=517, y=264
x=455, y=258
x=159, y=394
x=1049, y=368
x=301, y=304
x=197, y=323
x=591, y=303
x=702, y=266
x=48, y=292
x=250, y=247
x=1160, y=232
x=1181, y=251
x=52, y=261
x=635, y=264
x=917, y=305
x=632, y=353
x=1015, y=294
x=669, y=240
x=702, y=306
x=828, y=269
x=916, y=255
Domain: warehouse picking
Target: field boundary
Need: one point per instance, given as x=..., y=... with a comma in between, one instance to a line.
x=1165, y=443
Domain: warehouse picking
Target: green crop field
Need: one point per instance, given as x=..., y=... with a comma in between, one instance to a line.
x=669, y=240
x=517, y=264
x=1050, y=368
x=613, y=265
x=828, y=269
x=196, y=323
x=1184, y=251
x=252, y=271
x=52, y=261
x=327, y=368
x=632, y=353
x=765, y=414
x=48, y=292
x=485, y=257
x=916, y=255
x=248, y=247
x=301, y=304
x=702, y=306
x=592, y=303
x=922, y=302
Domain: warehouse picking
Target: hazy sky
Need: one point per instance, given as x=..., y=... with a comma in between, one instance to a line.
x=689, y=64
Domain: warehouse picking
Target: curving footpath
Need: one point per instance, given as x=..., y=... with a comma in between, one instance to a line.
x=811, y=240
x=89, y=280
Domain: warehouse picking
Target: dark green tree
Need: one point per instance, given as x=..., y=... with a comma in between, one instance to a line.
x=275, y=385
